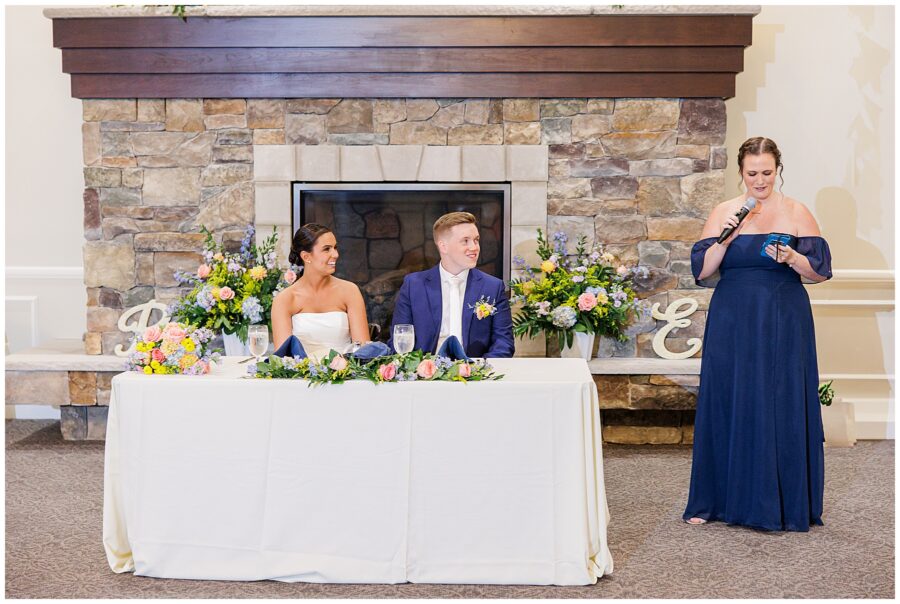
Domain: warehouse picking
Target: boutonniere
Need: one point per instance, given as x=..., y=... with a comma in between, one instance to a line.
x=484, y=307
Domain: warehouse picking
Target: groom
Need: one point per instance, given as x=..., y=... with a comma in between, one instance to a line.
x=456, y=299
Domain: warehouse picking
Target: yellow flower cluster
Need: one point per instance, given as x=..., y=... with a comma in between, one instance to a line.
x=188, y=344
x=258, y=273
x=144, y=346
x=158, y=368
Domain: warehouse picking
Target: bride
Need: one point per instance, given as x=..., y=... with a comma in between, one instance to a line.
x=324, y=312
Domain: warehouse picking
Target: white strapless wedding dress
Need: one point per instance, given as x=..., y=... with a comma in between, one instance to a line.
x=321, y=332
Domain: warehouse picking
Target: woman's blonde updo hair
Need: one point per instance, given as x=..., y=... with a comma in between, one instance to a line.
x=759, y=145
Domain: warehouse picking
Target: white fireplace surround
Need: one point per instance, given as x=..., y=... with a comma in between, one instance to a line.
x=525, y=167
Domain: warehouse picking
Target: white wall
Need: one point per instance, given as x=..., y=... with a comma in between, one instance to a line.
x=44, y=185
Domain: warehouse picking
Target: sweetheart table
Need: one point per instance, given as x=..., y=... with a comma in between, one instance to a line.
x=224, y=477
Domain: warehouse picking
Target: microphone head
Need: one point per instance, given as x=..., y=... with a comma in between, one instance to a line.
x=750, y=203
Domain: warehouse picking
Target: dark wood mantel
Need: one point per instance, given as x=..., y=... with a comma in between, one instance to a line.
x=633, y=55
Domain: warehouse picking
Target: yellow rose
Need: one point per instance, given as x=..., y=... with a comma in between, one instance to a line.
x=188, y=344
x=258, y=273
x=527, y=287
x=215, y=292
x=148, y=370
x=547, y=266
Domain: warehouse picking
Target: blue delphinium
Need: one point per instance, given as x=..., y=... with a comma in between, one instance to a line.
x=247, y=245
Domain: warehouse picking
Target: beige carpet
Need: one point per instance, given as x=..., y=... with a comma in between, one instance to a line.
x=54, y=499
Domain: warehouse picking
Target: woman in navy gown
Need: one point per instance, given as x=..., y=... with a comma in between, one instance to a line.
x=758, y=458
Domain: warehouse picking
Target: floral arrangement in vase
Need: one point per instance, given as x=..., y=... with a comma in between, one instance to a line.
x=176, y=348
x=569, y=294
x=336, y=368
x=232, y=291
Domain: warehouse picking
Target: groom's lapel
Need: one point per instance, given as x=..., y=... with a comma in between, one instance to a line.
x=435, y=301
x=473, y=291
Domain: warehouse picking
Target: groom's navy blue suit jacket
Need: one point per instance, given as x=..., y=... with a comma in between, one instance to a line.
x=420, y=303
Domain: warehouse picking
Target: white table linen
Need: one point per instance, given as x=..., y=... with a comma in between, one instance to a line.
x=219, y=477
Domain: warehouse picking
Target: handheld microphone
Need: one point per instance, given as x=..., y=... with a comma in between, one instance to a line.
x=741, y=214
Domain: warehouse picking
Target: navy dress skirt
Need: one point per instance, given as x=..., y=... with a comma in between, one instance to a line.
x=758, y=458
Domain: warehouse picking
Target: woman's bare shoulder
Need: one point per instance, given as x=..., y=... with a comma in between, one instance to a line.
x=803, y=218
x=288, y=297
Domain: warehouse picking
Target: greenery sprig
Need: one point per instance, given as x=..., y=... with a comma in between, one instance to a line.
x=336, y=368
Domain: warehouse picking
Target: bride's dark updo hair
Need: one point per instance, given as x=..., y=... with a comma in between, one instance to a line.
x=305, y=240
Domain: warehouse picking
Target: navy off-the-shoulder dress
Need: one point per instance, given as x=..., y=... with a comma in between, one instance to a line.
x=758, y=458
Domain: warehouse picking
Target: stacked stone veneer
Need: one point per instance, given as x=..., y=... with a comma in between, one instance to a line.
x=639, y=175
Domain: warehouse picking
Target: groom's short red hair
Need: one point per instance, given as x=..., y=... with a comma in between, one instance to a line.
x=448, y=221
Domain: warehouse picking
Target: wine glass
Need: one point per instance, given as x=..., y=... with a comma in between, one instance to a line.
x=404, y=338
x=258, y=340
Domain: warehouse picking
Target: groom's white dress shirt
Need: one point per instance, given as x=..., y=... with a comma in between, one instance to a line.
x=453, y=291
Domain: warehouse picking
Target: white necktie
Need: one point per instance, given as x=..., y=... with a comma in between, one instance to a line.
x=456, y=285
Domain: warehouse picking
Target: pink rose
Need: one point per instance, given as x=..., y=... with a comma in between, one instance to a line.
x=290, y=276
x=465, y=370
x=226, y=293
x=153, y=334
x=157, y=355
x=587, y=301
x=387, y=372
x=202, y=367
x=426, y=369
x=203, y=271
x=174, y=332
x=338, y=363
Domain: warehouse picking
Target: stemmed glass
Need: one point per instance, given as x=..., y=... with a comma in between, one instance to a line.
x=258, y=340
x=404, y=338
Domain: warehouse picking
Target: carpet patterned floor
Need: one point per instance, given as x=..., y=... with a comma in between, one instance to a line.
x=54, y=498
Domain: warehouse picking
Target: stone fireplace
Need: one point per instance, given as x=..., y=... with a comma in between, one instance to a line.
x=624, y=147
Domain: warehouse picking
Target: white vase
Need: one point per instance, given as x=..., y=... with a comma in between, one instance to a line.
x=582, y=347
x=233, y=346
x=839, y=423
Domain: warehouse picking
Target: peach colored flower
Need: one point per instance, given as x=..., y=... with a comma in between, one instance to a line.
x=152, y=334
x=338, y=363
x=219, y=257
x=169, y=347
x=290, y=277
x=387, y=372
x=157, y=355
x=426, y=369
x=187, y=360
x=587, y=301
x=548, y=266
x=622, y=270
x=258, y=273
x=203, y=271
x=465, y=370
x=204, y=366
x=226, y=293
x=174, y=331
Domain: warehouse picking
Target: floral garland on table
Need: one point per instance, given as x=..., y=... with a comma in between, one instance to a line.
x=173, y=349
x=335, y=368
x=232, y=291
x=581, y=293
